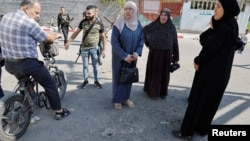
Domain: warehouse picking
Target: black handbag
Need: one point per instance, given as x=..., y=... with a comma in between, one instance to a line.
x=129, y=74
x=174, y=67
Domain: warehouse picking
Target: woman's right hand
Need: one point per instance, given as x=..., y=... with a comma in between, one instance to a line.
x=196, y=66
x=129, y=58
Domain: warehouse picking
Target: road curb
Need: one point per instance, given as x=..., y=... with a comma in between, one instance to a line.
x=53, y=29
x=179, y=35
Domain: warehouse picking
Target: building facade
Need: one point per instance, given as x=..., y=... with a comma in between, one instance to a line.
x=189, y=15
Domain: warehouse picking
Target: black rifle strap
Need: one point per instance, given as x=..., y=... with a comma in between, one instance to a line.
x=85, y=35
x=87, y=32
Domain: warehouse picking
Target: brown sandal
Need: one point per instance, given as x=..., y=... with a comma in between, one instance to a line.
x=129, y=103
x=118, y=106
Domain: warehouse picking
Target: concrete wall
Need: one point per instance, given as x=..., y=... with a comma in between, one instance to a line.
x=195, y=20
x=75, y=9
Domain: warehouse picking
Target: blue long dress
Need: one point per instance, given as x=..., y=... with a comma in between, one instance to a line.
x=123, y=43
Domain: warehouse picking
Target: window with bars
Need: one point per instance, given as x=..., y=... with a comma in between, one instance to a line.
x=210, y=4
x=203, y=4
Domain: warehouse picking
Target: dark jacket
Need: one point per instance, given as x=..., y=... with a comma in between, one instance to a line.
x=62, y=21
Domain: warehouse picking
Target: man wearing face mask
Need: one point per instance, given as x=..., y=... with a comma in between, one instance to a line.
x=18, y=39
x=89, y=45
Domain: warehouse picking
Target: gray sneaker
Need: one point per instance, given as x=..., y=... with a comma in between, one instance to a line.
x=98, y=85
x=84, y=84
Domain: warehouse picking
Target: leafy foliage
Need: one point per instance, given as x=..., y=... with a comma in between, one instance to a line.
x=117, y=2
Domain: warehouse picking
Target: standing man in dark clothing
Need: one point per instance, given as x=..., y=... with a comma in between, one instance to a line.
x=63, y=20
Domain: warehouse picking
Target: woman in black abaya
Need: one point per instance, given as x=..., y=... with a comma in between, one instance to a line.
x=213, y=68
x=161, y=39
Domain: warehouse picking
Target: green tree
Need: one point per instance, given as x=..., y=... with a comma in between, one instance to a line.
x=117, y=2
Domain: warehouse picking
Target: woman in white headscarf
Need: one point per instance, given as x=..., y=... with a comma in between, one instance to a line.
x=127, y=43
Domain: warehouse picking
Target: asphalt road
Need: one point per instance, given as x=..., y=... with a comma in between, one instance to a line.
x=93, y=117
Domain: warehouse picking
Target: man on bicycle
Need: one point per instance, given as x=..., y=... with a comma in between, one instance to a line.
x=19, y=35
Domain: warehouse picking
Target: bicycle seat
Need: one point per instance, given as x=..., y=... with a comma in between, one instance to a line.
x=23, y=79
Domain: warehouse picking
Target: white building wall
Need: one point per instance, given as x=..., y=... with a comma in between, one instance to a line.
x=198, y=20
x=243, y=19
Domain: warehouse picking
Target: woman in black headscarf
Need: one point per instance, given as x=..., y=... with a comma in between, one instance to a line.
x=213, y=68
x=160, y=37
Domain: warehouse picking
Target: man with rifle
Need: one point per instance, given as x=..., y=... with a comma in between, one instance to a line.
x=92, y=30
x=63, y=20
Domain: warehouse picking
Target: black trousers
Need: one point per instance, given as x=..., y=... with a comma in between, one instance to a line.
x=1, y=90
x=65, y=31
x=35, y=68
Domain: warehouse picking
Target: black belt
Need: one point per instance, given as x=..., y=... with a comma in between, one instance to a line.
x=14, y=60
x=86, y=45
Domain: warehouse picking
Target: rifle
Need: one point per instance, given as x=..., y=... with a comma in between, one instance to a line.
x=109, y=20
x=79, y=53
x=67, y=23
x=85, y=35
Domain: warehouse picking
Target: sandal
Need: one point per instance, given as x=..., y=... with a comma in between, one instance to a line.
x=129, y=103
x=118, y=106
x=59, y=115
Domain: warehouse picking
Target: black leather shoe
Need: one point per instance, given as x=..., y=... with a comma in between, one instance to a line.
x=84, y=84
x=179, y=135
x=163, y=96
x=203, y=134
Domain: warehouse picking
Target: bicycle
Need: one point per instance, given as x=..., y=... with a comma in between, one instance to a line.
x=51, y=22
x=16, y=109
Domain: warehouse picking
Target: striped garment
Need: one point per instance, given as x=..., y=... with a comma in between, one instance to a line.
x=19, y=36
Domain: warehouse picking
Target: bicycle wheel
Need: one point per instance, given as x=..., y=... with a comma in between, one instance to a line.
x=15, y=117
x=61, y=83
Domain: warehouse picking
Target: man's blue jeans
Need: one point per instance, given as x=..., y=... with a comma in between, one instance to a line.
x=94, y=59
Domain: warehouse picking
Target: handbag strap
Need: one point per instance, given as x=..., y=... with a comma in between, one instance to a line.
x=125, y=65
